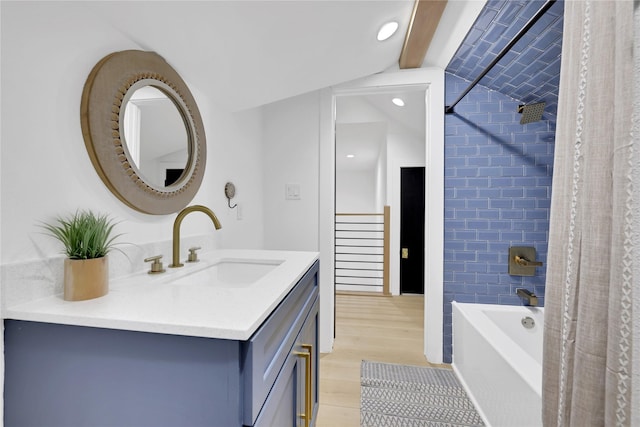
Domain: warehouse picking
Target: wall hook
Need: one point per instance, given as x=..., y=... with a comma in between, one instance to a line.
x=230, y=192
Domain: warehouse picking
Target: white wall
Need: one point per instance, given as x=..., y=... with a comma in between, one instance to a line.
x=47, y=53
x=356, y=191
x=381, y=180
x=291, y=150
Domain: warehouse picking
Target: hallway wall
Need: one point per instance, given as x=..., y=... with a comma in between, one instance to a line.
x=290, y=146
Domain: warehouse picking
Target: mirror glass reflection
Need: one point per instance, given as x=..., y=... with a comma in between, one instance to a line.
x=156, y=136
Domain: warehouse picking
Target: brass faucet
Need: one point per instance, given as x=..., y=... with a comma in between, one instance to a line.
x=176, y=229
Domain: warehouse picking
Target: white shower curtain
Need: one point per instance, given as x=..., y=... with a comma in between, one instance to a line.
x=589, y=352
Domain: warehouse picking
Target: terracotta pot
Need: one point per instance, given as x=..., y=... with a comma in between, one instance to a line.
x=85, y=278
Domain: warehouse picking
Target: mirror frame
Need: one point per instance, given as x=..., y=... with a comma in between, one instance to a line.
x=109, y=85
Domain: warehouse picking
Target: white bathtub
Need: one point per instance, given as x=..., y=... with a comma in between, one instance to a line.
x=499, y=361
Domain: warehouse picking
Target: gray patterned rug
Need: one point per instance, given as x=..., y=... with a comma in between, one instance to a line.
x=413, y=396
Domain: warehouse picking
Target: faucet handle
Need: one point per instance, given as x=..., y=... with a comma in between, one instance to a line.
x=193, y=256
x=156, y=264
x=520, y=260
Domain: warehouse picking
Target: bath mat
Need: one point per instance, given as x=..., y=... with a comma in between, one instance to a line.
x=413, y=396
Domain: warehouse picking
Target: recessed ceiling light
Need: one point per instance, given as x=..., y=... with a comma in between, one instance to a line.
x=350, y=156
x=387, y=30
x=398, y=101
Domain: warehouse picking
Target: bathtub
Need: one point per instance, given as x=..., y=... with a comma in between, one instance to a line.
x=499, y=361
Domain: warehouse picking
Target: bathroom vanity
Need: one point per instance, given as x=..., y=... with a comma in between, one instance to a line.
x=215, y=344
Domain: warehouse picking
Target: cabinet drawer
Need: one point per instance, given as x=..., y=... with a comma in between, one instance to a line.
x=281, y=406
x=287, y=398
x=266, y=351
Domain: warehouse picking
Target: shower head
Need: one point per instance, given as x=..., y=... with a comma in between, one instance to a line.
x=531, y=113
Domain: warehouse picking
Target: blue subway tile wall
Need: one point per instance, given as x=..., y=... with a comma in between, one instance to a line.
x=497, y=194
x=530, y=71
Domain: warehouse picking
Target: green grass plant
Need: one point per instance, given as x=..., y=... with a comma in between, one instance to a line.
x=85, y=235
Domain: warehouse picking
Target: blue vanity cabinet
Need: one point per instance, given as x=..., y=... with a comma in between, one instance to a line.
x=275, y=359
x=66, y=375
x=294, y=396
x=62, y=376
x=283, y=404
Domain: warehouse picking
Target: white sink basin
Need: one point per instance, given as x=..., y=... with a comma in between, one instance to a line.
x=227, y=295
x=230, y=272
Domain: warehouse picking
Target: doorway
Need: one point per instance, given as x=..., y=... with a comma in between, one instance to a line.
x=432, y=80
x=374, y=139
x=412, y=207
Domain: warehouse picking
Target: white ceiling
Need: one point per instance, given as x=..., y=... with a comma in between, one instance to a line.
x=246, y=54
x=363, y=123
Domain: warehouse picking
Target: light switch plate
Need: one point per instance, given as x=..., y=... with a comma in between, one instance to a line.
x=292, y=192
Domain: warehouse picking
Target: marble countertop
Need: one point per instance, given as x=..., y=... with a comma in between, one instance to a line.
x=181, y=301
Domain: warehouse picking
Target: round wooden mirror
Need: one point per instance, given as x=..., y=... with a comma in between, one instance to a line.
x=143, y=131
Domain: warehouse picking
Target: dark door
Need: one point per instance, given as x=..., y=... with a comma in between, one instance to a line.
x=172, y=175
x=412, y=230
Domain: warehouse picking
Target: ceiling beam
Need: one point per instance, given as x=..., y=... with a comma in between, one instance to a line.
x=422, y=26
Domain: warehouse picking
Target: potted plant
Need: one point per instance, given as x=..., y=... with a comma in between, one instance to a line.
x=87, y=239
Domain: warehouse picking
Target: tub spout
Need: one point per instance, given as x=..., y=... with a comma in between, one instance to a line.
x=530, y=298
x=176, y=229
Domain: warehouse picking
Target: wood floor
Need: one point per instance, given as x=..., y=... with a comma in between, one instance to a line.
x=380, y=329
